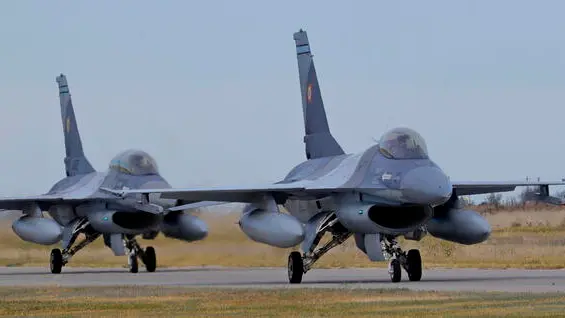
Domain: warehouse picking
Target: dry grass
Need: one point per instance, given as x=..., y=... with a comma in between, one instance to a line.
x=521, y=238
x=175, y=302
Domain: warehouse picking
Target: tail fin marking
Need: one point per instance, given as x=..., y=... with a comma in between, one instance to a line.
x=318, y=138
x=75, y=160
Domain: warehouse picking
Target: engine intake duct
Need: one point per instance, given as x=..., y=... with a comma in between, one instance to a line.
x=366, y=218
x=135, y=220
x=124, y=222
x=399, y=217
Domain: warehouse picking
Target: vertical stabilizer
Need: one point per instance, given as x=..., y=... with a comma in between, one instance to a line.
x=318, y=139
x=75, y=161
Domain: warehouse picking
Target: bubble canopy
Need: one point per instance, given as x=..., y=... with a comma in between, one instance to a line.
x=134, y=162
x=403, y=143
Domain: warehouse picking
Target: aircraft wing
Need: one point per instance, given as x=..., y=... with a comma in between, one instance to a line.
x=195, y=205
x=254, y=194
x=224, y=194
x=18, y=203
x=482, y=187
x=45, y=200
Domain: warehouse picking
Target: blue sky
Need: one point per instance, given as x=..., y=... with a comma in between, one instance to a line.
x=210, y=88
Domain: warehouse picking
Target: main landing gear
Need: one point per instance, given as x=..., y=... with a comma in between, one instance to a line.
x=59, y=258
x=134, y=251
x=411, y=261
x=298, y=264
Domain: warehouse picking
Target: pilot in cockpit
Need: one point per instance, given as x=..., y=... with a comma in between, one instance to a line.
x=403, y=143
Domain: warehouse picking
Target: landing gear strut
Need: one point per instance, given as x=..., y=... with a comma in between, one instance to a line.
x=411, y=261
x=59, y=258
x=298, y=264
x=148, y=257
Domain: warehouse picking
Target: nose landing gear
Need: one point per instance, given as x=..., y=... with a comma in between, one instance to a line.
x=411, y=261
x=147, y=256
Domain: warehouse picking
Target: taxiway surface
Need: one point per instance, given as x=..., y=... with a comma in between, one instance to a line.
x=511, y=280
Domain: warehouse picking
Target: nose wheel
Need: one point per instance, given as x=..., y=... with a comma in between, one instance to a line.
x=394, y=271
x=411, y=261
x=132, y=263
x=148, y=256
x=414, y=265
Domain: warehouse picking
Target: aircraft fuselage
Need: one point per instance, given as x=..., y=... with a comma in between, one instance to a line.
x=379, y=180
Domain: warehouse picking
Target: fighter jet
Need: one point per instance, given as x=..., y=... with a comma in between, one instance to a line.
x=78, y=204
x=391, y=189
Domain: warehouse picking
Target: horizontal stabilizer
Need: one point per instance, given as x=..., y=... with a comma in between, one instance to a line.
x=483, y=187
x=543, y=196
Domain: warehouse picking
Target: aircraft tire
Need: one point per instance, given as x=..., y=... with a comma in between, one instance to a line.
x=295, y=268
x=133, y=264
x=414, y=262
x=56, y=261
x=150, y=259
x=394, y=270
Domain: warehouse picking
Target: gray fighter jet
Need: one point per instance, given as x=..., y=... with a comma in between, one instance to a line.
x=78, y=204
x=391, y=189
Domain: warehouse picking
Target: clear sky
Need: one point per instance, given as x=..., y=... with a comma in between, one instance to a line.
x=210, y=88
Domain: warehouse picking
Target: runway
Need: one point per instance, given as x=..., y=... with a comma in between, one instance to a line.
x=512, y=280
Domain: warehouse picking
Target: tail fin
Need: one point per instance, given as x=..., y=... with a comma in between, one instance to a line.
x=75, y=161
x=318, y=139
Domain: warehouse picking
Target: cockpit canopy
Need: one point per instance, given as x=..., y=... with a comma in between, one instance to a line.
x=134, y=162
x=403, y=143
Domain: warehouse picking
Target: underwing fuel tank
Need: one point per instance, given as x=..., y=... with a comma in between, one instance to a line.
x=272, y=228
x=460, y=226
x=184, y=227
x=38, y=230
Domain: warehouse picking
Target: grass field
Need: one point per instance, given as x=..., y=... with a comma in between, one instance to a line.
x=530, y=238
x=179, y=302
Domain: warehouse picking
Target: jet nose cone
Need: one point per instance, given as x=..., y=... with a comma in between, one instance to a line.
x=426, y=185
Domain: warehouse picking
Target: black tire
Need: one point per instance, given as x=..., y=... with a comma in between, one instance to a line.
x=133, y=264
x=295, y=268
x=395, y=271
x=414, y=264
x=56, y=261
x=150, y=259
